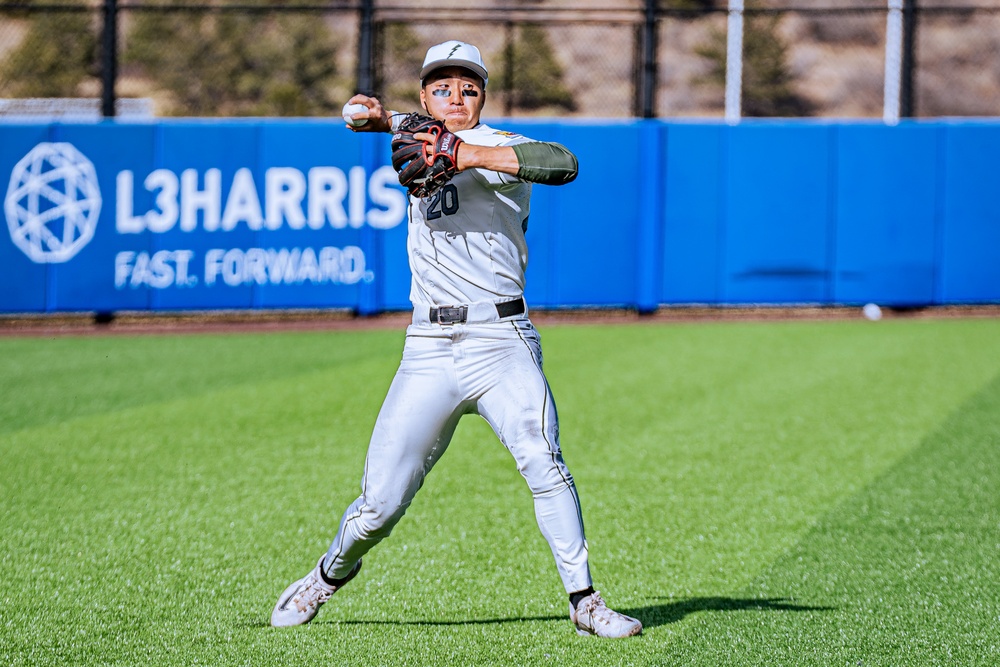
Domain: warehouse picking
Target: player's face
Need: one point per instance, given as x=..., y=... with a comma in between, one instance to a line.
x=454, y=95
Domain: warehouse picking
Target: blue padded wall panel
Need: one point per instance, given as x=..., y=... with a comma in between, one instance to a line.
x=298, y=148
x=23, y=282
x=102, y=277
x=693, y=210
x=885, y=214
x=593, y=250
x=970, y=242
x=776, y=240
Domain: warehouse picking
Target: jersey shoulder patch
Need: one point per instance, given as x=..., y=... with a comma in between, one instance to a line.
x=484, y=135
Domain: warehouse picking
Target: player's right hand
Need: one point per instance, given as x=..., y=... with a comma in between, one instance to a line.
x=378, y=117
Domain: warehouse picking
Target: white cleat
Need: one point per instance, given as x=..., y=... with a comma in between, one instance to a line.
x=592, y=617
x=301, y=601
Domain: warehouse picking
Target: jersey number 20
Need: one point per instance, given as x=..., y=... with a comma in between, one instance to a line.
x=443, y=202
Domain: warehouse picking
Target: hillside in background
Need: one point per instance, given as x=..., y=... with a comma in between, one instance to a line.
x=547, y=57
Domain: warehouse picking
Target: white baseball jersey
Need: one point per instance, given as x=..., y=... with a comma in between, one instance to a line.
x=466, y=243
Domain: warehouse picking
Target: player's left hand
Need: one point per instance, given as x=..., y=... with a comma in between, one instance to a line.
x=425, y=154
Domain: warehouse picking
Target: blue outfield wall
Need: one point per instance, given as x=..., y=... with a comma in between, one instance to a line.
x=208, y=214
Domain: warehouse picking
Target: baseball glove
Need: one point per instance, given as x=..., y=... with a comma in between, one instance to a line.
x=424, y=166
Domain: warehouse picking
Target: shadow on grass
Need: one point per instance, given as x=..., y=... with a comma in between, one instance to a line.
x=468, y=621
x=674, y=611
x=259, y=623
x=651, y=616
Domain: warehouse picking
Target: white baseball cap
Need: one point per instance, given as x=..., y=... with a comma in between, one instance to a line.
x=454, y=54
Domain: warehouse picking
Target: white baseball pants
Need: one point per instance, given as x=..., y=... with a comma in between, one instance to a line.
x=492, y=369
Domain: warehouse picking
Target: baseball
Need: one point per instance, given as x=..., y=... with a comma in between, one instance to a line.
x=351, y=109
x=872, y=312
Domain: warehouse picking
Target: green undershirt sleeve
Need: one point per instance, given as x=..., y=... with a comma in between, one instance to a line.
x=546, y=163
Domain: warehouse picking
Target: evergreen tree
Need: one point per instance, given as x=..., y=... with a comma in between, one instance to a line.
x=535, y=77
x=235, y=64
x=768, y=85
x=59, y=52
x=403, y=57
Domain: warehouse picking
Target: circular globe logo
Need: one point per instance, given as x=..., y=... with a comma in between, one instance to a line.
x=52, y=203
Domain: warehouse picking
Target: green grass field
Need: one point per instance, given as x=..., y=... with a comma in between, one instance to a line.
x=788, y=493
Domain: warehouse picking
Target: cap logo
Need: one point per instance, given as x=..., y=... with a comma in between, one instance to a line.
x=454, y=48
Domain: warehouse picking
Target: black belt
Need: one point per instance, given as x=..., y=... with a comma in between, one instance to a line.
x=459, y=314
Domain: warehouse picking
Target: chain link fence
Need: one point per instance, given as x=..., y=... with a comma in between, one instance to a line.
x=238, y=61
x=807, y=58
x=958, y=62
x=51, y=52
x=554, y=67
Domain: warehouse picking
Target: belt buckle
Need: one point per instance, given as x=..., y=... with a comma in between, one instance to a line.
x=452, y=314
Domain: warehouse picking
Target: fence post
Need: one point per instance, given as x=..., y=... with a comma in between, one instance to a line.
x=906, y=94
x=893, y=62
x=734, y=61
x=366, y=50
x=647, y=94
x=508, y=68
x=109, y=58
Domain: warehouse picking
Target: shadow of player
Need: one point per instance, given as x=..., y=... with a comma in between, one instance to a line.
x=675, y=610
x=651, y=616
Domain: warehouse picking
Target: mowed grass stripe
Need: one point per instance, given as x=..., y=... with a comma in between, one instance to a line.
x=903, y=573
x=50, y=381
x=252, y=430
x=736, y=438
x=156, y=531
x=162, y=532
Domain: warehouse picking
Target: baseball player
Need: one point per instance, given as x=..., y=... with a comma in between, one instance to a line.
x=471, y=348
